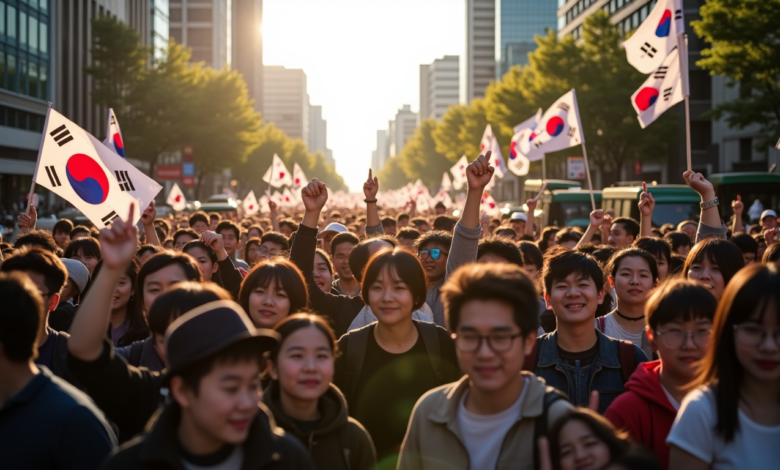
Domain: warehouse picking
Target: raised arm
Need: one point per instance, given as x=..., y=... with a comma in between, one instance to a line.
x=147, y=221
x=596, y=221
x=273, y=215
x=478, y=175
x=231, y=277
x=646, y=206
x=709, y=221
x=529, y=226
x=738, y=208
x=27, y=221
x=370, y=190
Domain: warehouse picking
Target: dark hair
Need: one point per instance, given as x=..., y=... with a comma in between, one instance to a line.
x=229, y=225
x=240, y=351
x=400, y=263
x=679, y=300
x=402, y=216
x=613, y=265
x=745, y=243
x=617, y=441
x=602, y=253
x=276, y=237
x=565, y=263
x=440, y=205
x=79, y=229
x=163, y=225
x=753, y=289
x=62, y=225
x=676, y=265
x=505, y=232
x=531, y=254
x=284, y=274
x=22, y=319
x=197, y=217
x=199, y=244
x=636, y=458
x=37, y=238
x=568, y=234
x=253, y=227
x=630, y=225
x=214, y=215
x=326, y=257
x=502, y=282
x=38, y=261
x=185, y=231
x=657, y=247
x=444, y=222
x=163, y=260
x=153, y=248
x=502, y=247
x=137, y=329
x=344, y=237
x=180, y=299
x=418, y=221
x=677, y=239
x=86, y=246
x=409, y=233
x=388, y=222
x=666, y=228
x=250, y=243
x=358, y=257
x=434, y=236
x=772, y=253
x=289, y=223
x=542, y=243
x=299, y=321
x=718, y=251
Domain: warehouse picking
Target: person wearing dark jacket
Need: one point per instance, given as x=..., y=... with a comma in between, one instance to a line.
x=304, y=402
x=215, y=264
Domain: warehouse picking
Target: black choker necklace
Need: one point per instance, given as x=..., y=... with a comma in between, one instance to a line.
x=629, y=318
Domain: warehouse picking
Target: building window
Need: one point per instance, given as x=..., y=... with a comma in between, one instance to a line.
x=176, y=35
x=199, y=37
x=745, y=149
x=701, y=85
x=199, y=14
x=175, y=15
x=23, y=28
x=701, y=135
x=11, y=117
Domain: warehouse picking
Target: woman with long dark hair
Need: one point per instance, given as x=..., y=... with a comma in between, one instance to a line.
x=583, y=439
x=127, y=323
x=86, y=250
x=712, y=263
x=272, y=290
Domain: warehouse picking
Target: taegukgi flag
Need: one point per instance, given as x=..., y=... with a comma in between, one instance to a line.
x=114, y=138
x=70, y=166
x=459, y=173
x=490, y=142
x=131, y=180
x=250, y=204
x=520, y=152
x=655, y=38
x=560, y=126
x=662, y=90
x=277, y=174
x=299, y=178
x=176, y=198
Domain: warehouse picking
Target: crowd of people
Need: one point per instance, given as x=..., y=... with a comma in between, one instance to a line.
x=362, y=339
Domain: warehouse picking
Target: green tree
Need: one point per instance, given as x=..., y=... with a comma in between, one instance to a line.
x=745, y=47
x=392, y=176
x=460, y=130
x=420, y=159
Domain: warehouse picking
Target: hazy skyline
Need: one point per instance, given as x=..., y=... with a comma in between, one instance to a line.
x=362, y=60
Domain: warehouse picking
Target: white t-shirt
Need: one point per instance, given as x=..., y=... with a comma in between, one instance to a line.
x=754, y=445
x=613, y=329
x=672, y=401
x=484, y=434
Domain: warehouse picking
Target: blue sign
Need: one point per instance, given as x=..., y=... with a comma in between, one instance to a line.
x=188, y=169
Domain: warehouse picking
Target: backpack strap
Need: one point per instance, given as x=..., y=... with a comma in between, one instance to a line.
x=354, y=355
x=530, y=360
x=541, y=424
x=432, y=345
x=627, y=360
x=136, y=349
x=602, y=324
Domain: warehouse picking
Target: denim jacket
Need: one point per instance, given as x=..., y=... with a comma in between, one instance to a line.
x=604, y=374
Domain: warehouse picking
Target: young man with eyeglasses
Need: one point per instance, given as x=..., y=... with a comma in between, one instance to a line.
x=493, y=416
x=273, y=244
x=679, y=323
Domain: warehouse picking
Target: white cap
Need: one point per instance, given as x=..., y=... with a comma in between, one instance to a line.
x=519, y=216
x=768, y=213
x=333, y=227
x=77, y=272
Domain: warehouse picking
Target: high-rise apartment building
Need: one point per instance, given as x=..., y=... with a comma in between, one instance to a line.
x=247, y=46
x=479, y=62
x=400, y=130
x=380, y=155
x=517, y=22
x=286, y=101
x=204, y=26
x=318, y=133
x=439, y=87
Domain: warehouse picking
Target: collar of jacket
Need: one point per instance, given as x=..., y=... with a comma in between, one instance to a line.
x=332, y=407
x=548, y=355
x=446, y=409
x=160, y=442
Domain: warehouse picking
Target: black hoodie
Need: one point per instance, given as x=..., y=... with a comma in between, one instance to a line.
x=339, y=443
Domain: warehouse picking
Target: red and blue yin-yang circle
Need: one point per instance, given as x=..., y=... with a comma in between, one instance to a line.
x=87, y=178
x=555, y=126
x=513, y=150
x=646, y=97
x=665, y=25
x=119, y=145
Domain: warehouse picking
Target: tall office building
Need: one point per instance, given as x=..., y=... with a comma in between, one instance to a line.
x=379, y=156
x=517, y=22
x=247, y=46
x=439, y=87
x=478, y=68
x=400, y=130
x=318, y=133
x=286, y=101
x=150, y=19
x=205, y=26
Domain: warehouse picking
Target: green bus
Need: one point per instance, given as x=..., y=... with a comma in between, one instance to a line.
x=750, y=186
x=673, y=202
x=563, y=204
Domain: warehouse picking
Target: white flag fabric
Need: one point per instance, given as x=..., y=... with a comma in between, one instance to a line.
x=655, y=38
x=489, y=142
x=446, y=183
x=459, y=173
x=488, y=205
x=661, y=91
x=287, y=198
x=560, y=126
x=520, y=152
x=114, y=138
x=530, y=122
x=277, y=174
x=299, y=178
x=250, y=204
x=176, y=198
x=131, y=180
x=70, y=166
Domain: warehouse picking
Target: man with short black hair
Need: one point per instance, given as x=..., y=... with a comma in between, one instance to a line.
x=184, y=236
x=214, y=220
x=199, y=222
x=37, y=239
x=287, y=227
x=340, y=248
x=61, y=232
x=440, y=208
x=406, y=237
x=444, y=223
x=421, y=224
x=80, y=231
x=402, y=220
x=44, y=421
x=623, y=232
x=389, y=226
x=231, y=240
x=748, y=246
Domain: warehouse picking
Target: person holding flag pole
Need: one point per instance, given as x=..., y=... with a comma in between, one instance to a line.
x=28, y=218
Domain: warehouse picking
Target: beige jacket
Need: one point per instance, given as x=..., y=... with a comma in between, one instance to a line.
x=434, y=442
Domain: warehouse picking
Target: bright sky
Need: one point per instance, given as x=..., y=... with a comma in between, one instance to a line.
x=361, y=59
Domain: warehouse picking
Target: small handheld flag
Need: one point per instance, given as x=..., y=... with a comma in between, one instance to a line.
x=655, y=38
x=299, y=178
x=114, y=138
x=176, y=198
x=459, y=173
x=560, y=126
x=277, y=174
x=489, y=142
x=250, y=204
x=662, y=90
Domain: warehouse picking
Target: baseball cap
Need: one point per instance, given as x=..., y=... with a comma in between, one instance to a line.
x=208, y=329
x=519, y=216
x=76, y=272
x=768, y=213
x=333, y=227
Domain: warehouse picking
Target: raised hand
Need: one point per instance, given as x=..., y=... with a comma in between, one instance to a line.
x=371, y=186
x=646, y=202
x=737, y=206
x=26, y=221
x=119, y=242
x=271, y=206
x=597, y=218
x=479, y=172
x=315, y=195
x=150, y=213
x=770, y=235
x=699, y=183
x=214, y=240
x=531, y=204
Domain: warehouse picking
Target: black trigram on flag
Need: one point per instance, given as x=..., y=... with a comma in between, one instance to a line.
x=61, y=135
x=661, y=72
x=53, y=178
x=649, y=49
x=677, y=14
x=563, y=106
x=113, y=120
x=572, y=131
x=125, y=183
x=667, y=94
x=108, y=219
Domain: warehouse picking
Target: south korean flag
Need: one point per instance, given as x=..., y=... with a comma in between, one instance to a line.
x=560, y=126
x=131, y=180
x=655, y=38
x=662, y=90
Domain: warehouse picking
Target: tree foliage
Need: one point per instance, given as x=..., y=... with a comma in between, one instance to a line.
x=745, y=47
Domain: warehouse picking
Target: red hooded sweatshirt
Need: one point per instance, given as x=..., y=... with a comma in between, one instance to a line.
x=644, y=411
